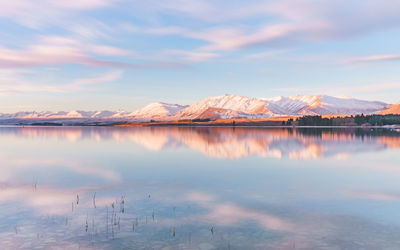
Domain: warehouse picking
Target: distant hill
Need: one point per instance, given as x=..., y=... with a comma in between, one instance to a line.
x=392, y=109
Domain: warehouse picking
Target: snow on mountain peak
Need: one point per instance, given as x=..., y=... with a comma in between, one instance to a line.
x=75, y=114
x=329, y=105
x=157, y=110
x=321, y=105
x=245, y=105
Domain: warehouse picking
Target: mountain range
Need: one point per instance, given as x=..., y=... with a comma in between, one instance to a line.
x=217, y=107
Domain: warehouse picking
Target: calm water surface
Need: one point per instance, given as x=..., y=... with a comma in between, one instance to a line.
x=199, y=188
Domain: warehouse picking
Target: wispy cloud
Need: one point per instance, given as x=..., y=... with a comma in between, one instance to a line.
x=295, y=22
x=372, y=195
x=11, y=83
x=90, y=29
x=36, y=14
x=80, y=5
x=193, y=56
x=82, y=82
x=55, y=50
x=375, y=58
x=265, y=54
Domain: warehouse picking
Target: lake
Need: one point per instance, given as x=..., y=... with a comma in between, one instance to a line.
x=199, y=188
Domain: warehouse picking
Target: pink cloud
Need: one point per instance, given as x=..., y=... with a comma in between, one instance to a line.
x=108, y=77
x=107, y=50
x=54, y=50
x=375, y=58
x=44, y=55
x=36, y=14
x=12, y=84
x=81, y=4
x=371, y=195
x=231, y=39
x=194, y=56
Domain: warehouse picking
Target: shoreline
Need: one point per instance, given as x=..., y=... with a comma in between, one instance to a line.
x=202, y=126
x=254, y=126
x=289, y=122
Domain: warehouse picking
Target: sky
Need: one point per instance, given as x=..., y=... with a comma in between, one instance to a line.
x=124, y=54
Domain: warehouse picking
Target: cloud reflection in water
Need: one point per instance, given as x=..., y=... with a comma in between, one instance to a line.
x=43, y=169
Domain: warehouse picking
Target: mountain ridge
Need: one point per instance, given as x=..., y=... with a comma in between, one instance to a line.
x=223, y=106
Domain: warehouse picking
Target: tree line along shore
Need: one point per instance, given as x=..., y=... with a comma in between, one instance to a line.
x=317, y=120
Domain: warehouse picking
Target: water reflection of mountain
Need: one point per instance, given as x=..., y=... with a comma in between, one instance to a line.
x=223, y=142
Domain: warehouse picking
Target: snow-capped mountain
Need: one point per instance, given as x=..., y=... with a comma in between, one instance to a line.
x=232, y=106
x=75, y=114
x=322, y=105
x=157, y=111
x=216, y=107
x=226, y=106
